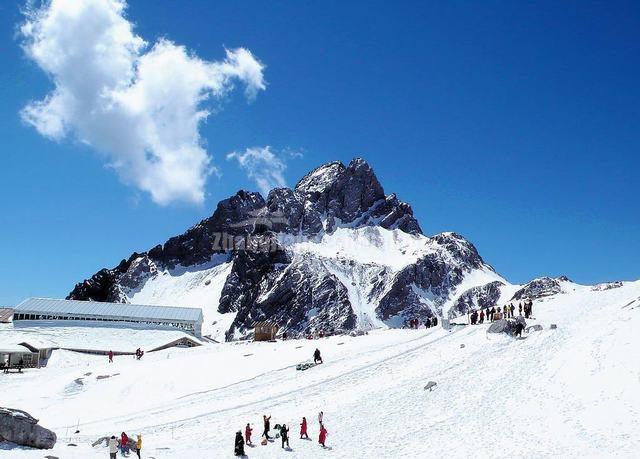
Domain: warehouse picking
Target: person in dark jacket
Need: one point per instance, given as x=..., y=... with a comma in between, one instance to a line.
x=284, y=434
x=493, y=313
x=267, y=426
x=435, y=322
x=519, y=328
x=239, y=446
x=316, y=356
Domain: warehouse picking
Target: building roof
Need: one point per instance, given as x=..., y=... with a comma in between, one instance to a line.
x=96, y=308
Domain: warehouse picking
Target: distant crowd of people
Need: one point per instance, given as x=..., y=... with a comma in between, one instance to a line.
x=281, y=430
x=506, y=312
x=428, y=323
x=139, y=354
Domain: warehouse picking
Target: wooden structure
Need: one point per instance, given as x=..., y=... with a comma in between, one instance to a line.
x=265, y=331
x=17, y=359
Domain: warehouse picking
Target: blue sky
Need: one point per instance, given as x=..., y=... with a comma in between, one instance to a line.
x=516, y=124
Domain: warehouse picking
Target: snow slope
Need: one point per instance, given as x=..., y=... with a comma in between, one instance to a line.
x=569, y=392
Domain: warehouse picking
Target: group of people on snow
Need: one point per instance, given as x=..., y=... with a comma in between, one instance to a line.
x=428, y=323
x=506, y=312
x=125, y=445
x=139, y=354
x=282, y=431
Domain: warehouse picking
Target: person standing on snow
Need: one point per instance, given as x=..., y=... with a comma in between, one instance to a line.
x=139, y=445
x=124, y=444
x=322, y=438
x=239, y=444
x=303, y=429
x=284, y=434
x=247, y=434
x=481, y=316
x=493, y=313
x=267, y=426
x=113, y=447
x=519, y=328
x=435, y=322
x=320, y=417
x=316, y=356
x=110, y=354
x=513, y=310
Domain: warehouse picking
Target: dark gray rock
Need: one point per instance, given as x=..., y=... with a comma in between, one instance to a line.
x=23, y=429
x=436, y=274
x=540, y=288
x=480, y=297
x=305, y=295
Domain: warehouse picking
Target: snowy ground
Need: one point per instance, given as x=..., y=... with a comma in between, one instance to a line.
x=570, y=392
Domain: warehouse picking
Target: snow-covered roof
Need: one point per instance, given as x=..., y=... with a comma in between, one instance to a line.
x=95, y=308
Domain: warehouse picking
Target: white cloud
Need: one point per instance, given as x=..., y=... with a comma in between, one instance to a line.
x=141, y=106
x=262, y=166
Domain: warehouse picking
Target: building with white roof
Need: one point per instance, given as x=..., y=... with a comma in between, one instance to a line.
x=187, y=319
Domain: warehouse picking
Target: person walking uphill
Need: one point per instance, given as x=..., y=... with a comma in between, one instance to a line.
x=316, y=356
x=303, y=429
x=239, y=444
x=110, y=354
x=113, y=447
x=284, y=434
x=267, y=426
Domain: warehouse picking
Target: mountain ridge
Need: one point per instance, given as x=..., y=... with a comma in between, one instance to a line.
x=333, y=253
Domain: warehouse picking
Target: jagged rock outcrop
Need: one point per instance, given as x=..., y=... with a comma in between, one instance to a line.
x=433, y=276
x=21, y=428
x=305, y=288
x=539, y=288
x=479, y=297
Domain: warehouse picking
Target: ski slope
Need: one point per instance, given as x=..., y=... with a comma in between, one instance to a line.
x=569, y=392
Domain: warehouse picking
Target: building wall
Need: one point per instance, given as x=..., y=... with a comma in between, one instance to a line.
x=193, y=327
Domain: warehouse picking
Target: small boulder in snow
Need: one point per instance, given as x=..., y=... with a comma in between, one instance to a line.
x=430, y=386
x=21, y=428
x=553, y=326
x=536, y=327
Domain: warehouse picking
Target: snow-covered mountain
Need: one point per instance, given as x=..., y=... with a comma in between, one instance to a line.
x=334, y=253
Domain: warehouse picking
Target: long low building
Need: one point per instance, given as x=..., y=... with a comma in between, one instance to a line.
x=188, y=319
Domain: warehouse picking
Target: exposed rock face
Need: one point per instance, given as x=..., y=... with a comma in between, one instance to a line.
x=539, y=288
x=21, y=428
x=309, y=291
x=480, y=297
x=434, y=276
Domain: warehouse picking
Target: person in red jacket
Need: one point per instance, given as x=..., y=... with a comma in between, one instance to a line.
x=323, y=435
x=303, y=429
x=124, y=443
x=247, y=434
x=110, y=356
